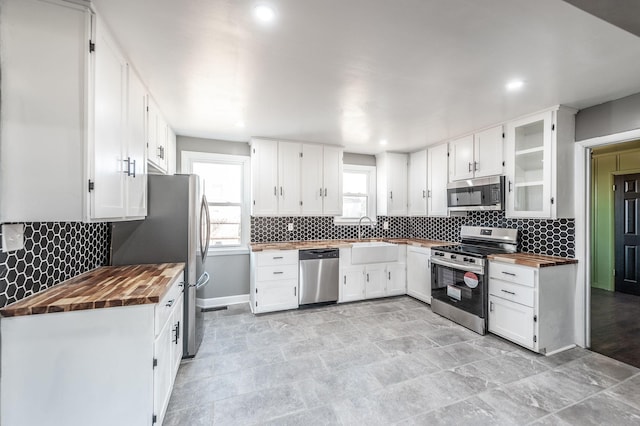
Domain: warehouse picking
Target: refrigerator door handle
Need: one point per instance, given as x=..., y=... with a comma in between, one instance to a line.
x=205, y=220
x=204, y=280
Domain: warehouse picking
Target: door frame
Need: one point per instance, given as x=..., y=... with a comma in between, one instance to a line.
x=582, y=191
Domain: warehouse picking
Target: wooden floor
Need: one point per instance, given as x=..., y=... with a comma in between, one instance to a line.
x=615, y=325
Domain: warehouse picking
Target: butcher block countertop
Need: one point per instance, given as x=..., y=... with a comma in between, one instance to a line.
x=302, y=245
x=104, y=287
x=532, y=260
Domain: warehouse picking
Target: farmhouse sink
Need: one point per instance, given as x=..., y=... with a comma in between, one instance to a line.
x=373, y=252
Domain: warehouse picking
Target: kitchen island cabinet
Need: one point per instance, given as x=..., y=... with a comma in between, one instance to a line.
x=102, y=348
x=531, y=301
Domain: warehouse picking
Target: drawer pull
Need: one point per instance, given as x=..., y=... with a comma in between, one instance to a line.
x=278, y=273
x=508, y=292
x=277, y=257
x=170, y=303
x=490, y=306
x=509, y=273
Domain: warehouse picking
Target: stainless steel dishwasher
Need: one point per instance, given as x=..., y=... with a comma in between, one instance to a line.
x=319, y=277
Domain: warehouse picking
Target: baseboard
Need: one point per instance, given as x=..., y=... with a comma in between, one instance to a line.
x=216, y=302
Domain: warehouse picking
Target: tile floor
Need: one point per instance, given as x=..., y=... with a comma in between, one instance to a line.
x=388, y=361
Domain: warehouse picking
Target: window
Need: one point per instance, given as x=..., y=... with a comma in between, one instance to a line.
x=225, y=180
x=359, y=194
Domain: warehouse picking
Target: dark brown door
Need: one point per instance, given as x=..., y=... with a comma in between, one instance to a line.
x=627, y=235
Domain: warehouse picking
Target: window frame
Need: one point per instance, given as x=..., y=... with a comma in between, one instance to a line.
x=371, y=200
x=188, y=158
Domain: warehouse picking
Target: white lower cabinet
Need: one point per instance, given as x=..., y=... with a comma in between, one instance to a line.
x=373, y=280
x=352, y=287
x=274, y=280
x=419, y=273
x=108, y=366
x=533, y=307
x=396, y=276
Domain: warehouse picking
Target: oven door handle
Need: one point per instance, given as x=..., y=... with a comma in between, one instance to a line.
x=466, y=268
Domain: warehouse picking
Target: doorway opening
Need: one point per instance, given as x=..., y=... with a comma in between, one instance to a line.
x=615, y=251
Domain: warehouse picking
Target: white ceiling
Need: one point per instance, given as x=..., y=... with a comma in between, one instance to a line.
x=352, y=72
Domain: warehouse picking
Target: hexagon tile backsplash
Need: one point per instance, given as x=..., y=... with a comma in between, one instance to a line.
x=53, y=252
x=551, y=237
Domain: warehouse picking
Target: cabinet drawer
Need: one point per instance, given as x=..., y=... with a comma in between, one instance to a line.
x=277, y=273
x=167, y=304
x=277, y=257
x=513, y=273
x=516, y=293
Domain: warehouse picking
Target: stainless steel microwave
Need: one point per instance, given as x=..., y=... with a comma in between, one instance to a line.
x=476, y=194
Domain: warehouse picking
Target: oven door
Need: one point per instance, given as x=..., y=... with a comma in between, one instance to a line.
x=464, y=289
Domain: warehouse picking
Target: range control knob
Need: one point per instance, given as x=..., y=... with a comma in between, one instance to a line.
x=453, y=256
x=466, y=259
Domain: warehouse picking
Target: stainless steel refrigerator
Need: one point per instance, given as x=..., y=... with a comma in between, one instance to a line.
x=175, y=230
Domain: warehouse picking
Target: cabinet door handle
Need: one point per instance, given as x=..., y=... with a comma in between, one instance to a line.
x=429, y=193
x=275, y=191
x=389, y=275
x=170, y=303
x=281, y=191
x=391, y=194
x=508, y=292
x=325, y=192
x=344, y=279
x=321, y=192
x=470, y=167
x=277, y=257
x=490, y=306
x=295, y=291
x=367, y=277
x=510, y=184
x=278, y=273
x=428, y=264
x=509, y=273
x=128, y=161
x=475, y=166
x=134, y=168
x=424, y=194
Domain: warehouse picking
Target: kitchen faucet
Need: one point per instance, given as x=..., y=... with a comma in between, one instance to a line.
x=360, y=225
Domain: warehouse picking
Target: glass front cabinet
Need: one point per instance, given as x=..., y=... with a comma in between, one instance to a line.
x=539, y=165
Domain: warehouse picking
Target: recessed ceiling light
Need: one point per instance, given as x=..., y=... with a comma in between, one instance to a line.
x=515, y=85
x=383, y=141
x=264, y=13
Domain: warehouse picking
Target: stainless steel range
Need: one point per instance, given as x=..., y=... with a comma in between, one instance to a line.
x=459, y=280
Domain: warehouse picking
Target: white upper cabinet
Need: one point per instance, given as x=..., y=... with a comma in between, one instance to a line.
x=321, y=180
x=159, y=135
x=109, y=161
x=461, y=158
x=264, y=177
x=311, y=180
x=391, y=183
x=488, y=152
x=80, y=121
x=290, y=178
x=289, y=155
x=539, y=156
x=136, y=162
x=437, y=180
x=476, y=155
x=332, y=168
x=417, y=183
x=45, y=52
